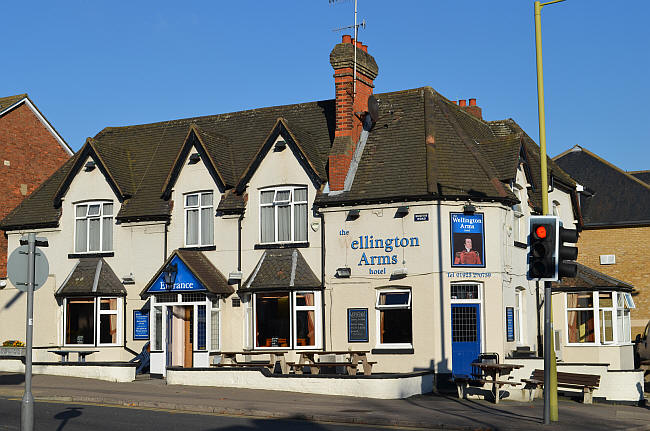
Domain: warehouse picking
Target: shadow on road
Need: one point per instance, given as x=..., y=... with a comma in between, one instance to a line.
x=66, y=415
x=12, y=379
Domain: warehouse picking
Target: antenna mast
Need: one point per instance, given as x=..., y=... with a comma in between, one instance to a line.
x=354, y=45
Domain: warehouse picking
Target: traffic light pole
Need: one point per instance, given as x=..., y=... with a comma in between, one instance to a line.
x=550, y=372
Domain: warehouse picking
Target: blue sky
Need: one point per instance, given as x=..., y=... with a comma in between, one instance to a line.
x=92, y=64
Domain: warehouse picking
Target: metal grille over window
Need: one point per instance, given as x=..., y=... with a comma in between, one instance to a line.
x=463, y=324
x=464, y=291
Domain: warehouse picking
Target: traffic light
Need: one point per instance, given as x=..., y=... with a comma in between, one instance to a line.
x=565, y=252
x=542, y=248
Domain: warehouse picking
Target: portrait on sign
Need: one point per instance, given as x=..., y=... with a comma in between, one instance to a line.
x=467, y=240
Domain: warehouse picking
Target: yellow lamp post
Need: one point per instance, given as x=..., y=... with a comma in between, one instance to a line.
x=550, y=371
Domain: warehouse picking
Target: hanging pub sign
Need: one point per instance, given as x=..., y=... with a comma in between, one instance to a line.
x=185, y=281
x=140, y=325
x=357, y=325
x=467, y=240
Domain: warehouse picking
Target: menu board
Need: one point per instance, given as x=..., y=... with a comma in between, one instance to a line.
x=140, y=325
x=357, y=325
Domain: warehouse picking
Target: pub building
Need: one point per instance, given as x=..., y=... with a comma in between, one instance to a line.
x=392, y=223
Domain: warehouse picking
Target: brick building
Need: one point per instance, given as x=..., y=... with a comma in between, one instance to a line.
x=616, y=212
x=31, y=150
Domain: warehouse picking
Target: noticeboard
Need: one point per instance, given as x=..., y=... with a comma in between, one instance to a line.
x=510, y=324
x=357, y=325
x=140, y=325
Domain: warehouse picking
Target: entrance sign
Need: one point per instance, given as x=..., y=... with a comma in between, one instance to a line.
x=140, y=325
x=467, y=240
x=357, y=325
x=186, y=281
x=510, y=324
x=17, y=268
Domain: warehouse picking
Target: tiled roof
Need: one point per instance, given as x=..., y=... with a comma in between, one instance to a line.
x=642, y=175
x=615, y=198
x=91, y=277
x=591, y=279
x=281, y=269
x=6, y=102
x=422, y=147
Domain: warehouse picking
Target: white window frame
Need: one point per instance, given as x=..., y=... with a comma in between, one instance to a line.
x=199, y=207
x=214, y=307
x=317, y=319
x=101, y=218
x=154, y=333
x=97, y=312
x=275, y=204
x=254, y=335
x=478, y=300
x=519, y=318
x=598, y=313
x=378, y=310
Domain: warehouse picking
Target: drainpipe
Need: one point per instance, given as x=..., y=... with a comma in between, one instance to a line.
x=165, y=245
x=322, y=270
x=241, y=217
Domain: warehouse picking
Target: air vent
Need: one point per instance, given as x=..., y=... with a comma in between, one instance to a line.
x=607, y=259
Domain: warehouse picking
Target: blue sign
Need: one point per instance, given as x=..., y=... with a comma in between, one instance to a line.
x=510, y=324
x=185, y=280
x=467, y=240
x=140, y=325
x=421, y=217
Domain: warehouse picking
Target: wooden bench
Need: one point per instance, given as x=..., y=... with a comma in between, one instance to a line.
x=463, y=382
x=585, y=382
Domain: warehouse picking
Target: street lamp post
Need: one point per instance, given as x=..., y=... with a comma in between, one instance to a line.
x=550, y=371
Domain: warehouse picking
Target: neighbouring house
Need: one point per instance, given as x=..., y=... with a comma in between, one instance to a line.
x=389, y=223
x=31, y=150
x=615, y=208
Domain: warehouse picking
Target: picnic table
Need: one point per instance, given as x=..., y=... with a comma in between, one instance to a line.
x=307, y=358
x=229, y=359
x=81, y=354
x=494, y=371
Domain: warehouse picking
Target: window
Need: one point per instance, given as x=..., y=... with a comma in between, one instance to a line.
x=93, y=321
x=93, y=227
x=199, y=225
x=394, y=318
x=286, y=319
x=599, y=317
x=518, y=317
x=214, y=324
x=283, y=215
x=517, y=215
x=157, y=328
x=200, y=327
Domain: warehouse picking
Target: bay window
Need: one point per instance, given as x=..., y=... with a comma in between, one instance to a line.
x=601, y=317
x=93, y=321
x=283, y=215
x=199, y=226
x=394, y=320
x=93, y=227
x=287, y=319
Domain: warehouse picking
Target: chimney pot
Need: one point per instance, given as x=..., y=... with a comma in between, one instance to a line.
x=364, y=48
x=462, y=102
x=359, y=45
x=472, y=102
x=346, y=38
x=454, y=102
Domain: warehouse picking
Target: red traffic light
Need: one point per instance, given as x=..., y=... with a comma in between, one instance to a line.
x=540, y=232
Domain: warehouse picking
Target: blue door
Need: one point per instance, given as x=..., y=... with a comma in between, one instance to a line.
x=168, y=338
x=465, y=337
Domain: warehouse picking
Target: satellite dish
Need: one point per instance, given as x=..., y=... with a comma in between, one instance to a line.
x=373, y=108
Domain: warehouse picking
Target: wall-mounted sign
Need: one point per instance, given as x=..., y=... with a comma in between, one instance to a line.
x=185, y=280
x=357, y=325
x=421, y=217
x=510, y=324
x=469, y=274
x=140, y=325
x=467, y=240
x=379, y=252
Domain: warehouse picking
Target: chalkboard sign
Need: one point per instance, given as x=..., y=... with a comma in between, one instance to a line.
x=510, y=324
x=140, y=325
x=357, y=325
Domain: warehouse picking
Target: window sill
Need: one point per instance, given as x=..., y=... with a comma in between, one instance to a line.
x=392, y=351
x=96, y=254
x=200, y=248
x=281, y=245
x=520, y=244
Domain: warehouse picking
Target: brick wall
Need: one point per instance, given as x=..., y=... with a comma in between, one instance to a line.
x=28, y=155
x=631, y=246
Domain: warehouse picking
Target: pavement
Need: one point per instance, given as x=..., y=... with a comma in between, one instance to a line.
x=428, y=411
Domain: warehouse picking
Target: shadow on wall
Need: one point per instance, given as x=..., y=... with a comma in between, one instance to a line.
x=13, y=300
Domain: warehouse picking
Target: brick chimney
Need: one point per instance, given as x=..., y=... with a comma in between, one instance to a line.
x=348, y=125
x=474, y=109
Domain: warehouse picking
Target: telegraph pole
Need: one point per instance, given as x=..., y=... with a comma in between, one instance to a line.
x=550, y=371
